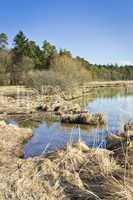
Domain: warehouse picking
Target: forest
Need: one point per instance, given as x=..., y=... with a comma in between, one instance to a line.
x=26, y=63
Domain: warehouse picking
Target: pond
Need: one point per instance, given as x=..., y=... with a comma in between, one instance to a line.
x=50, y=134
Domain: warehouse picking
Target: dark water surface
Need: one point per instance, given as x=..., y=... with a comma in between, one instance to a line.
x=50, y=135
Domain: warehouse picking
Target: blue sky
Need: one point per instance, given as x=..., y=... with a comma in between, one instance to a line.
x=98, y=30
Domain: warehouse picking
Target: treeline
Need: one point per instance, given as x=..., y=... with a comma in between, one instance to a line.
x=28, y=63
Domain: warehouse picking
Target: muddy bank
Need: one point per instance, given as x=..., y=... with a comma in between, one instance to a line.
x=58, y=105
x=75, y=172
x=108, y=83
x=88, y=88
x=22, y=100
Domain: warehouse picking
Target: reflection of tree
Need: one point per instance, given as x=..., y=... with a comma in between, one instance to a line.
x=32, y=121
x=105, y=92
x=86, y=128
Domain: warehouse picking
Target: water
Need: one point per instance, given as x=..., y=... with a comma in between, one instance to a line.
x=50, y=135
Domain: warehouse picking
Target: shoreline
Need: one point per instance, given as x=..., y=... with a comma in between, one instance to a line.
x=73, y=172
x=79, y=91
x=70, y=173
x=23, y=100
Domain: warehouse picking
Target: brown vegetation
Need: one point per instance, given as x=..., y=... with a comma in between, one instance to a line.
x=75, y=172
x=12, y=139
x=84, y=118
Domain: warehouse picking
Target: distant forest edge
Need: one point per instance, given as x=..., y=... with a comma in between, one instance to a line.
x=26, y=63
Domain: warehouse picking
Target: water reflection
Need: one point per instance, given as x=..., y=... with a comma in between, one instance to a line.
x=50, y=135
x=47, y=139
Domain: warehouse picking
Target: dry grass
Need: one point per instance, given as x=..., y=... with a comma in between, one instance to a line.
x=76, y=172
x=16, y=90
x=84, y=118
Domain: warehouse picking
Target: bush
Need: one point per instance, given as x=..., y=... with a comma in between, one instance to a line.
x=65, y=72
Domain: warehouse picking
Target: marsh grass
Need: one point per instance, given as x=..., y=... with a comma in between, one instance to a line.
x=75, y=172
x=85, y=173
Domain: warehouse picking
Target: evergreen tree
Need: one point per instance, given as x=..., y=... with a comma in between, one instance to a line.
x=65, y=52
x=48, y=53
x=20, y=45
x=3, y=40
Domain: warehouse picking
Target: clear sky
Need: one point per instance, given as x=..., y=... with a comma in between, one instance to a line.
x=98, y=30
